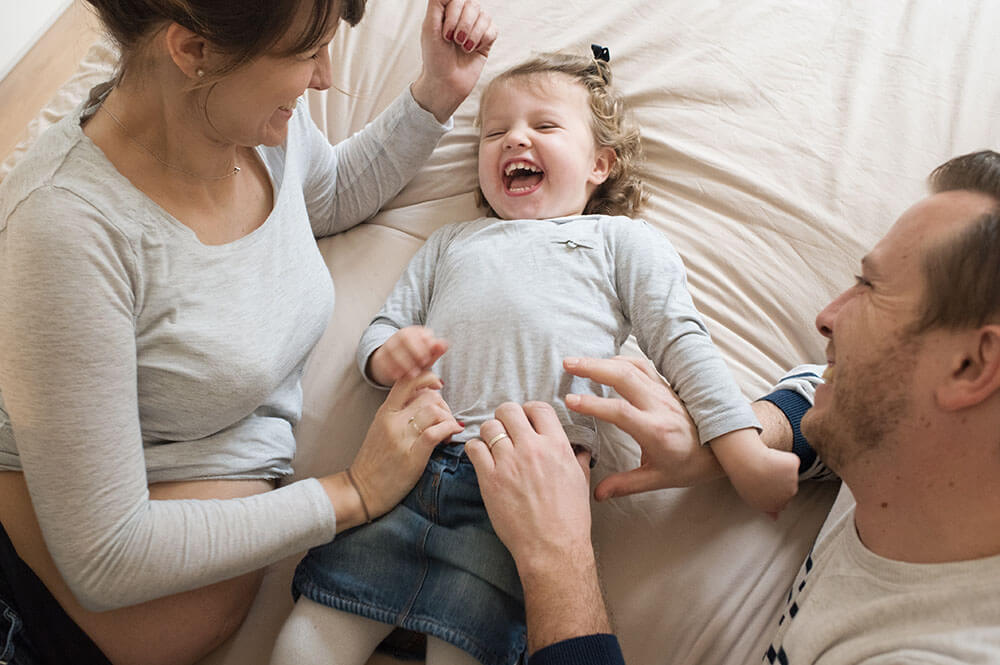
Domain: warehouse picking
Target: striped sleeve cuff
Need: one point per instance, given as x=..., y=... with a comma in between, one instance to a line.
x=794, y=406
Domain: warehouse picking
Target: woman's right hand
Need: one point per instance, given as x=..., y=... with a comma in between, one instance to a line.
x=455, y=40
x=413, y=419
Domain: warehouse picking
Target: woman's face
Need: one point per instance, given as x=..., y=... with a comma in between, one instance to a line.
x=252, y=106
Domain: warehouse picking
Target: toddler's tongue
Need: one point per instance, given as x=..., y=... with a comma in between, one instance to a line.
x=522, y=180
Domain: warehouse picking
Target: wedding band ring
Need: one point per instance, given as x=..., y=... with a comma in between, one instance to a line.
x=416, y=428
x=495, y=440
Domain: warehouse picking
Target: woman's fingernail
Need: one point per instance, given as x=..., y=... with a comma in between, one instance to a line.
x=451, y=33
x=469, y=45
x=460, y=423
x=571, y=362
x=460, y=37
x=572, y=400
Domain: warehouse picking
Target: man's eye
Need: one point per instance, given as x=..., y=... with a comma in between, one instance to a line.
x=861, y=281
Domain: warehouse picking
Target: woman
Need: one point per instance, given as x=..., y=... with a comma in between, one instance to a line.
x=160, y=285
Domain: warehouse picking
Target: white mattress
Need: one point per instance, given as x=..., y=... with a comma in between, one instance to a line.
x=782, y=139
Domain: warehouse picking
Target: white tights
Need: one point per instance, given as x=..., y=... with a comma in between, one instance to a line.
x=315, y=634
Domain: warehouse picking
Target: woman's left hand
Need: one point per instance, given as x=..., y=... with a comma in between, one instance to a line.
x=413, y=419
x=455, y=40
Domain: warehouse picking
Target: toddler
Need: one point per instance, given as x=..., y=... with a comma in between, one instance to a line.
x=559, y=268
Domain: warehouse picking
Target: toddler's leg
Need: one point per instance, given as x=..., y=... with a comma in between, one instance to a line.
x=315, y=633
x=440, y=652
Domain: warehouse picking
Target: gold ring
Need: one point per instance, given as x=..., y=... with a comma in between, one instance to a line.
x=492, y=442
x=416, y=428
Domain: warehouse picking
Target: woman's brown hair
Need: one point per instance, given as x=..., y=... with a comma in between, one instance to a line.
x=241, y=29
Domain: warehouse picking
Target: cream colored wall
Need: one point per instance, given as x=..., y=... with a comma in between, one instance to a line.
x=21, y=24
x=43, y=64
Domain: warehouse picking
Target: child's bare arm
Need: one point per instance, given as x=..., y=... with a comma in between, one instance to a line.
x=766, y=479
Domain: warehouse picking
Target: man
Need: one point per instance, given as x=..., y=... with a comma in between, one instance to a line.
x=909, y=417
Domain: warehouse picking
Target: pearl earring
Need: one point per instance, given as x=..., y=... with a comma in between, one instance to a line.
x=200, y=73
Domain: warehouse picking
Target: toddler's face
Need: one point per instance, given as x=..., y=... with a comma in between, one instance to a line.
x=537, y=156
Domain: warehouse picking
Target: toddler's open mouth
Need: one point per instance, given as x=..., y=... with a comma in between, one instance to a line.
x=520, y=177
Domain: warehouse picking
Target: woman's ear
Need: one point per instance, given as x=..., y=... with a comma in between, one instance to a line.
x=604, y=161
x=974, y=370
x=187, y=49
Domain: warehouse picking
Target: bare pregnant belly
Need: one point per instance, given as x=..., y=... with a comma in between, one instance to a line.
x=178, y=629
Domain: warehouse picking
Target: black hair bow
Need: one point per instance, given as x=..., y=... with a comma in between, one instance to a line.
x=600, y=52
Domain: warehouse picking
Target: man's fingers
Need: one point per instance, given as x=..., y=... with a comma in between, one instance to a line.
x=496, y=438
x=480, y=457
x=642, y=364
x=630, y=381
x=543, y=418
x=515, y=422
x=609, y=409
x=623, y=483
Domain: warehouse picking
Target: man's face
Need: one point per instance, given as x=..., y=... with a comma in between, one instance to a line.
x=875, y=379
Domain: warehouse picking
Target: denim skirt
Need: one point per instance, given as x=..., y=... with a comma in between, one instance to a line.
x=432, y=565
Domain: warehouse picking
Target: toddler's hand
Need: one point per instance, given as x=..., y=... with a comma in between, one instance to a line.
x=407, y=353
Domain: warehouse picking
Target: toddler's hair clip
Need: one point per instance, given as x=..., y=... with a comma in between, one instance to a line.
x=600, y=52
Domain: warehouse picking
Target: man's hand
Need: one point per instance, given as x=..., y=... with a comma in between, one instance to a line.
x=536, y=491
x=405, y=355
x=651, y=413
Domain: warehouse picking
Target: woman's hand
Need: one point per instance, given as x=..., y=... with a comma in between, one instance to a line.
x=455, y=40
x=413, y=419
x=650, y=413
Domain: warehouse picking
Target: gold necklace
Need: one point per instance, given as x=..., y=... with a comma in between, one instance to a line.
x=121, y=126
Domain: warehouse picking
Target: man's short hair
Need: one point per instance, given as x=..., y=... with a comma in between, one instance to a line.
x=962, y=273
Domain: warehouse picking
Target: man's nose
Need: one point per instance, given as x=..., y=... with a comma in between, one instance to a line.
x=825, y=319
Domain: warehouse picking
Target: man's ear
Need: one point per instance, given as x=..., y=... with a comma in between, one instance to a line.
x=974, y=370
x=187, y=49
x=604, y=161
